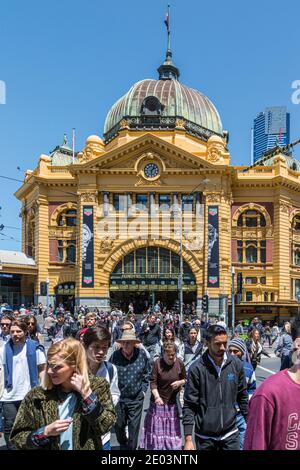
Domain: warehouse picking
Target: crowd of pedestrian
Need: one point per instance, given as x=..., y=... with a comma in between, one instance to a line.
x=100, y=366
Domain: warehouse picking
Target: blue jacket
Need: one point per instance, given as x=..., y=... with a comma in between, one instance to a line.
x=32, y=346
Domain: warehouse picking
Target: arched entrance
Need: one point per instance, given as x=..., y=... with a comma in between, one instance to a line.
x=65, y=296
x=149, y=274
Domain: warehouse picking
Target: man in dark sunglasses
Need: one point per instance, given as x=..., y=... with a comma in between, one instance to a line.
x=5, y=324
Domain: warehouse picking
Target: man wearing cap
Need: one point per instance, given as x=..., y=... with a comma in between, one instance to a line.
x=238, y=348
x=133, y=379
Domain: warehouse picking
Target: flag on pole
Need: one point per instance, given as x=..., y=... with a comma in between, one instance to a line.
x=167, y=21
x=73, y=145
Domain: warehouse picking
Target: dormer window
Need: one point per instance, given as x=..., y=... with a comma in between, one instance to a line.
x=151, y=106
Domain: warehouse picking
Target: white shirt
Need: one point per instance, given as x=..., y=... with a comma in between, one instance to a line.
x=114, y=390
x=21, y=378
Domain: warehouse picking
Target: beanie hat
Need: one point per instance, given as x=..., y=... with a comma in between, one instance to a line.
x=239, y=344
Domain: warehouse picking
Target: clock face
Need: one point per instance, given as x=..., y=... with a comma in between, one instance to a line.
x=151, y=170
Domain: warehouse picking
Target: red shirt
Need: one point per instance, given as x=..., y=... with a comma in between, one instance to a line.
x=274, y=415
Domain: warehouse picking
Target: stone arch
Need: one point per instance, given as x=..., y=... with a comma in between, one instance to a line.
x=60, y=209
x=131, y=245
x=251, y=206
x=293, y=214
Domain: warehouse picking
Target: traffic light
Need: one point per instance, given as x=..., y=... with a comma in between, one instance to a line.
x=239, y=283
x=205, y=300
x=43, y=288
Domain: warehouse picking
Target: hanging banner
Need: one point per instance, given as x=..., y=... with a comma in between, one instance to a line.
x=88, y=247
x=213, y=274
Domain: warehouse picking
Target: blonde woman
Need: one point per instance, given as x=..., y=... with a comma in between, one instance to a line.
x=71, y=410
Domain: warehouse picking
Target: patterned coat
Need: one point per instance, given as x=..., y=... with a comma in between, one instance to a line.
x=40, y=408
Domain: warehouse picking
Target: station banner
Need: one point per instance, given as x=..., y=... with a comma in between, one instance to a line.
x=88, y=247
x=213, y=271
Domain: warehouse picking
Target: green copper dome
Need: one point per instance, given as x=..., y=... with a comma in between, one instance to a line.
x=159, y=104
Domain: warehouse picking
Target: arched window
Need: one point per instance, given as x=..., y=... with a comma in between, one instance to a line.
x=297, y=256
x=251, y=218
x=296, y=223
x=151, y=106
x=67, y=218
x=251, y=254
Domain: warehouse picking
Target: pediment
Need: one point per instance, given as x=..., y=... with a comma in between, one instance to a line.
x=126, y=157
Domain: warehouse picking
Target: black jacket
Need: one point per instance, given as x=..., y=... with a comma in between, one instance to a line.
x=210, y=401
x=150, y=334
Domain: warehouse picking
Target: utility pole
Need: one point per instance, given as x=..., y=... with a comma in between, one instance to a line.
x=232, y=298
x=47, y=298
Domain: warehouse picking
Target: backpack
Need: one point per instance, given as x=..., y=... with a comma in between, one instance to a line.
x=110, y=370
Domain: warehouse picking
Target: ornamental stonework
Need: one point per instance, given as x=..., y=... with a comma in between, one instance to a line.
x=88, y=197
x=124, y=124
x=213, y=197
x=106, y=245
x=284, y=207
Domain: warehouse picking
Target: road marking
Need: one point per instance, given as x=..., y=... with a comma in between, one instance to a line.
x=267, y=370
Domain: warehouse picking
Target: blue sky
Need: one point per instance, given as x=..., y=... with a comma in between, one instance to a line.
x=65, y=63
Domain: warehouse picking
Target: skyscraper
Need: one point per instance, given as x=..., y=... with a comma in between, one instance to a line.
x=271, y=127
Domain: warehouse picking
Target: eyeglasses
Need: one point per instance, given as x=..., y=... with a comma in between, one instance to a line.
x=4, y=324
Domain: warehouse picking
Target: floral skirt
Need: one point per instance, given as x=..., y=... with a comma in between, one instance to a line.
x=161, y=429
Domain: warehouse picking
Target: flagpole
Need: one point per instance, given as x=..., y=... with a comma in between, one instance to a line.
x=73, y=145
x=169, y=35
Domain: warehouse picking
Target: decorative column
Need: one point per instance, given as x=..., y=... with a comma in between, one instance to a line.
x=281, y=255
x=41, y=237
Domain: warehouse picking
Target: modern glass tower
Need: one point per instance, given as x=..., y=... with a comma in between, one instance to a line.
x=271, y=127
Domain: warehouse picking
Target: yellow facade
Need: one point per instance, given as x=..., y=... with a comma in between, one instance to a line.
x=265, y=251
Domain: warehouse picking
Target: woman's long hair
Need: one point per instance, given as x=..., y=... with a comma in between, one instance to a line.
x=32, y=334
x=72, y=352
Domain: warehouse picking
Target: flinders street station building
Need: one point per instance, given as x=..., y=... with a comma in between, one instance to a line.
x=155, y=197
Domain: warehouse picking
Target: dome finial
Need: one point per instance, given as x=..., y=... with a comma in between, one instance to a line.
x=168, y=71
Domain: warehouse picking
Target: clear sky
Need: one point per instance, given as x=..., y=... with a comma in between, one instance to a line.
x=65, y=63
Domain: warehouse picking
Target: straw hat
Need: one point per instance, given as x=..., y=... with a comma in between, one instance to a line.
x=129, y=335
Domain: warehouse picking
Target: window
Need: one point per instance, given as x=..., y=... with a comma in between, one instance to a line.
x=119, y=202
x=266, y=297
x=187, y=202
x=141, y=261
x=60, y=251
x=297, y=256
x=175, y=262
x=129, y=264
x=142, y=202
x=71, y=251
x=67, y=218
x=251, y=218
x=152, y=260
x=251, y=280
x=272, y=297
x=296, y=223
x=249, y=296
x=66, y=251
x=297, y=287
x=251, y=251
x=251, y=254
x=262, y=251
x=164, y=202
x=263, y=280
x=240, y=250
x=164, y=261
